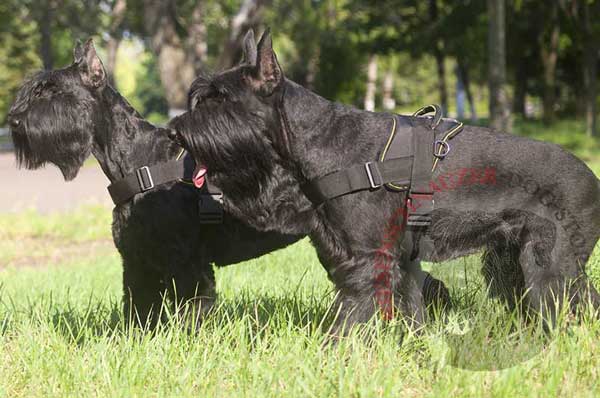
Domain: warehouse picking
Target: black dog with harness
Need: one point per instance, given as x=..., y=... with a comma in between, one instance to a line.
x=285, y=146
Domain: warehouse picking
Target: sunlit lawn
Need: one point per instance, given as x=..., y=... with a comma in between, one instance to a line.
x=62, y=333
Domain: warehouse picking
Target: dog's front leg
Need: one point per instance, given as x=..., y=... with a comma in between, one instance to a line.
x=419, y=290
x=193, y=291
x=143, y=291
x=357, y=295
x=377, y=286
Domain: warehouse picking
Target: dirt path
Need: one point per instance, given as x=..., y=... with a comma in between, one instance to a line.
x=41, y=252
x=45, y=189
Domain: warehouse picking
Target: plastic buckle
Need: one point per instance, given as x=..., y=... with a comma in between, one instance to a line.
x=210, y=208
x=372, y=182
x=144, y=178
x=420, y=207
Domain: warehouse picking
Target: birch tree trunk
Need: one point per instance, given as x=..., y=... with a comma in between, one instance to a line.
x=388, y=101
x=371, y=83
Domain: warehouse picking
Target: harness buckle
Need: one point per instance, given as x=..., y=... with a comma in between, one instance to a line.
x=144, y=178
x=441, y=149
x=420, y=206
x=210, y=208
x=370, y=174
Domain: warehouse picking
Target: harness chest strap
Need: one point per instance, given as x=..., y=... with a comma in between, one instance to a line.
x=147, y=178
x=409, y=170
x=370, y=175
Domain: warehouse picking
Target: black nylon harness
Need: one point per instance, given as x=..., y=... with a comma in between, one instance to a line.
x=406, y=164
x=147, y=178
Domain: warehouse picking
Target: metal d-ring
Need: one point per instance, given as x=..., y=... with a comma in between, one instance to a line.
x=444, y=149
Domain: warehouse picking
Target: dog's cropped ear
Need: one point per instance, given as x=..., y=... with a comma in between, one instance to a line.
x=249, y=48
x=91, y=69
x=268, y=74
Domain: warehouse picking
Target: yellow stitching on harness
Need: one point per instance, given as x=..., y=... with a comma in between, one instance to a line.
x=435, y=109
x=449, y=135
x=389, y=142
x=382, y=158
x=181, y=180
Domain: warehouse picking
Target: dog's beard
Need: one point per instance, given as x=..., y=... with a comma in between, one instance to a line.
x=243, y=163
x=238, y=158
x=54, y=135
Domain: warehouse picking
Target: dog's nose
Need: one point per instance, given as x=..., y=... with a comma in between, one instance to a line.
x=174, y=136
x=14, y=122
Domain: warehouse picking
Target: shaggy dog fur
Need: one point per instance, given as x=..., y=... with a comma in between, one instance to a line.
x=262, y=137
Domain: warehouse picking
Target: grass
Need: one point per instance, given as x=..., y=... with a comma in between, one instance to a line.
x=62, y=333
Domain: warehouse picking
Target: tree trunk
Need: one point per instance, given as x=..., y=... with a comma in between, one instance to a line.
x=549, y=52
x=388, y=101
x=197, y=37
x=591, y=82
x=464, y=75
x=590, y=70
x=112, y=48
x=441, y=72
x=175, y=66
x=460, y=95
x=114, y=41
x=248, y=16
x=45, y=27
x=312, y=68
x=371, y=83
x=499, y=104
x=438, y=52
x=520, y=88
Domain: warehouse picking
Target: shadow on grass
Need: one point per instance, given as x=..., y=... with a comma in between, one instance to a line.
x=77, y=326
x=479, y=334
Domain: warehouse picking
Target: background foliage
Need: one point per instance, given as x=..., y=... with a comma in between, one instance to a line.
x=420, y=48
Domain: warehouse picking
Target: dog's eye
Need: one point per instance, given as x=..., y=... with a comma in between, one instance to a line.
x=211, y=93
x=214, y=95
x=44, y=89
x=217, y=94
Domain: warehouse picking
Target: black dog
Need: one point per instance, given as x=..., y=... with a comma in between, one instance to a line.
x=263, y=139
x=62, y=116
